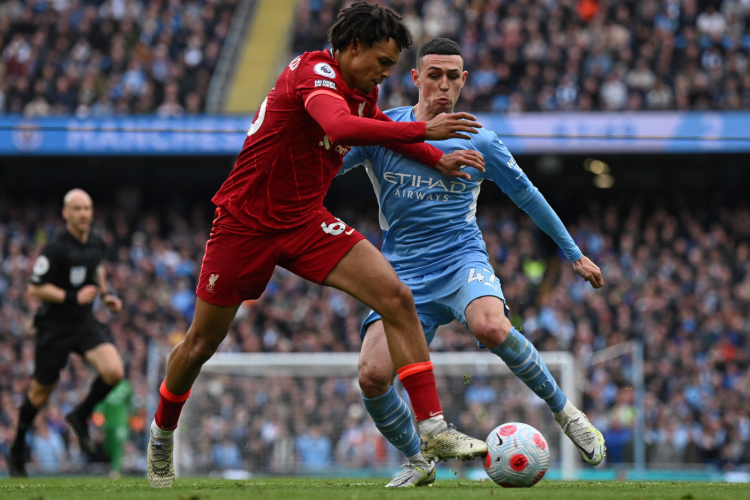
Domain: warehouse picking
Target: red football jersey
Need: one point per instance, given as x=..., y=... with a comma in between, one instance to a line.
x=287, y=162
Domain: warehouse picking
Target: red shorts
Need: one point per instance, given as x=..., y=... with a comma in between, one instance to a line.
x=239, y=261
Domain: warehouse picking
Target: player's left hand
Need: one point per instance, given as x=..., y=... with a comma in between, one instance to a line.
x=450, y=164
x=589, y=271
x=113, y=303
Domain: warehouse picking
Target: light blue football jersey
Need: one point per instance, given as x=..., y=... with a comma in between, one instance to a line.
x=428, y=219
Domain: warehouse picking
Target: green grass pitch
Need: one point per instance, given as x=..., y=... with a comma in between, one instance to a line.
x=344, y=489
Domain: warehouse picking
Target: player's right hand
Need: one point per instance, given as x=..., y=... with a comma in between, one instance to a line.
x=589, y=271
x=450, y=164
x=87, y=294
x=450, y=125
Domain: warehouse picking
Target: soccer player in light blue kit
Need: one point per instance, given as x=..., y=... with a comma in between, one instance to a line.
x=431, y=238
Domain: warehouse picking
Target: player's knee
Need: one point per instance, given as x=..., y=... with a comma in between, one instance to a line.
x=397, y=300
x=492, y=332
x=39, y=394
x=38, y=399
x=113, y=375
x=374, y=381
x=200, y=350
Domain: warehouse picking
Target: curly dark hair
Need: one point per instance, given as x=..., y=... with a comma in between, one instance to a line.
x=368, y=23
x=439, y=46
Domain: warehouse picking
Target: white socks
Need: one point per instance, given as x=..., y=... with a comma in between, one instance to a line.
x=417, y=459
x=160, y=434
x=568, y=411
x=429, y=426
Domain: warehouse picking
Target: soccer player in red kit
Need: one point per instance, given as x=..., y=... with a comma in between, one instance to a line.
x=270, y=212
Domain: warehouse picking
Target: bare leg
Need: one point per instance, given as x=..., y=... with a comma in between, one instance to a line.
x=365, y=274
x=39, y=394
x=107, y=362
x=376, y=371
x=210, y=326
x=487, y=321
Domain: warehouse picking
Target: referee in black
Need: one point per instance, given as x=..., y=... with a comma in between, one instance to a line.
x=67, y=277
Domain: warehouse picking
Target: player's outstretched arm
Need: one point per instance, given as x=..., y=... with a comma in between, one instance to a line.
x=333, y=115
x=589, y=271
x=507, y=174
x=531, y=201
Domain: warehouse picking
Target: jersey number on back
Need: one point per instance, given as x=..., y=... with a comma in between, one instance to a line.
x=262, y=114
x=259, y=121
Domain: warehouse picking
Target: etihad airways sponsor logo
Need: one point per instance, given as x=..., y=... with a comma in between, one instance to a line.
x=421, y=195
x=417, y=181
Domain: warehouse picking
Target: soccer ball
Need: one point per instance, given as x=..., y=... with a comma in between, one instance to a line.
x=517, y=456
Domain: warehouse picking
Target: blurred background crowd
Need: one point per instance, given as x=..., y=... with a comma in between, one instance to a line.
x=109, y=57
x=573, y=55
x=105, y=57
x=677, y=277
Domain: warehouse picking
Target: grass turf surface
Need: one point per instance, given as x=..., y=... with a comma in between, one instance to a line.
x=343, y=489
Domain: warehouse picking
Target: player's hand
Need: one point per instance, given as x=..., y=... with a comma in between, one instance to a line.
x=589, y=271
x=450, y=164
x=450, y=125
x=87, y=294
x=113, y=303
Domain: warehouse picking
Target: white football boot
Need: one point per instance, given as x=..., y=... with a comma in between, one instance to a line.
x=446, y=442
x=413, y=475
x=160, y=459
x=585, y=436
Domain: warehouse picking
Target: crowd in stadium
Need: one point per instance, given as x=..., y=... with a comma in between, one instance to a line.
x=573, y=55
x=101, y=58
x=677, y=278
x=120, y=57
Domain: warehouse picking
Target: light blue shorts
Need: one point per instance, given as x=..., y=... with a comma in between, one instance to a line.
x=443, y=295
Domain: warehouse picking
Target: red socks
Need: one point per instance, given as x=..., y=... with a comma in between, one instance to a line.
x=419, y=382
x=417, y=378
x=170, y=406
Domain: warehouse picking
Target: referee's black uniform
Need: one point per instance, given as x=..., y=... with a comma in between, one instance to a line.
x=62, y=328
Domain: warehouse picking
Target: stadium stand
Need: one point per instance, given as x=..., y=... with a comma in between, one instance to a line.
x=112, y=57
x=266, y=46
x=535, y=55
x=678, y=277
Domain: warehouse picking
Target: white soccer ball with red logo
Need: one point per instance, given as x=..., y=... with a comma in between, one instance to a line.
x=517, y=457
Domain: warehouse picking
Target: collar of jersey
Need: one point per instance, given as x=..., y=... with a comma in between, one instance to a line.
x=67, y=234
x=346, y=89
